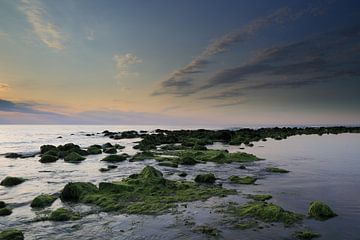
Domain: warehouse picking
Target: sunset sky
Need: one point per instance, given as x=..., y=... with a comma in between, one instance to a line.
x=180, y=62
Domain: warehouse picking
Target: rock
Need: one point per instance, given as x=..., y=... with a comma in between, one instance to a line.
x=276, y=170
x=168, y=164
x=48, y=158
x=205, y=178
x=2, y=204
x=43, y=200
x=13, y=155
x=187, y=161
x=63, y=214
x=242, y=180
x=320, y=211
x=73, y=192
x=110, y=150
x=74, y=157
x=242, y=167
x=12, y=181
x=182, y=174
x=306, y=235
x=5, y=211
x=208, y=230
x=46, y=148
x=94, y=149
x=107, y=145
x=115, y=158
x=11, y=234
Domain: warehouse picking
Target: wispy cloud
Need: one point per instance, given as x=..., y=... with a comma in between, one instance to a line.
x=22, y=107
x=4, y=87
x=122, y=63
x=45, y=30
x=181, y=81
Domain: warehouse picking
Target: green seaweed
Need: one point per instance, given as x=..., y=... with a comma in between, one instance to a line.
x=246, y=225
x=145, y=193
x=242, y=180
x=306, y=235
x=259, y=197
x=5, y=211
x=206, y=229
x=63, y=214
x=276, y=170
x=266, y=212
x=168, y=164
x=141, y=156
x=205, y=178
x=11, y=181
x=43, y=200
x=11, y=234
x=320, y=211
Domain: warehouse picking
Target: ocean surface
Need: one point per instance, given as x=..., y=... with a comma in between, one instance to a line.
x=323, y=168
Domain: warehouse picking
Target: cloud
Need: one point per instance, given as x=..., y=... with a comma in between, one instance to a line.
x=230, y=103
x=22, y=107
x=45, y=30
x=122, y=63
x=90, y=35
x=4, y=87
x=180, y=83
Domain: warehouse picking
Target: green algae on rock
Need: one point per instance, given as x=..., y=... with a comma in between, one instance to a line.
x=206, y=229
x=141, y=156
x=111, y=150
x=246, y=225
x=74, y=157
x=11, y=181
x=47, y=158
x=63, y=214
x=276, y=170
x=306, y=235
x=43, y=200
x=266, y=212
x=168, y=164
x=11, y=234
x=94, y=149
x=115, y=158
x=205, y=178
x=5, y=211
x=259, y=197
x=242, y=180
x=145, y=193
x=2, y=204
x=320, y=211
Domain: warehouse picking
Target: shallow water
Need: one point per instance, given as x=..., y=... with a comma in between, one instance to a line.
x=322, y=168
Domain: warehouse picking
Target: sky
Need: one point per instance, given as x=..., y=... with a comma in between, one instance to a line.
x=217, y=62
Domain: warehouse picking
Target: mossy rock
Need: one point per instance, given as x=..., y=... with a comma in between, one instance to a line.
x=306, y=235
x=63, y=214
x=68, y=147
x=186, y=160
x=74, y=157
x=11, y=234
x=168, y=164
x=205, y=178
x=259, y=197
x=73, y=192
x=147, y=192
x=208, y=230
x=12, y=181
x=43, y=200
x=48, y=158
x=53, y=152
x=242, y=180
x=104, y=169
x=2, y=204
x=246, y=225
x=276, y=170
x=110, y=150
x=320, y=211
x=46, y=148
x=13, y=155
x=141, y=156
x=94, y=149
x=5, y=211
x=266, y=212
x=115, y=158
x=107, y=145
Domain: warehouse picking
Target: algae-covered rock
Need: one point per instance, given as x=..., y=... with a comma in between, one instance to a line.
x=141, y=156
x=107, y=145
x=13, y=155
x=182, y=174
x=246, y=225
x=74, y=157
x=110, y=150
x=94, y=149
x=208, y=230
x=11, y=234
x=259, y=197
x=46, y=148
x=2, y=204
x=276, y=170
x=12, y=181
x=205, y=178
x=266, y=212
x=242, y=180
x=43, y=200
x=63, y=214
x=48, y=158
x=115, y=158
x=306, y=235
x=320, y=211
x=75, y=191
x=168, y=164
x=5, y=211
x=187, y=160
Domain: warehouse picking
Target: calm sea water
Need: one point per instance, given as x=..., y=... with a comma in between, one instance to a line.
x=322, y=168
